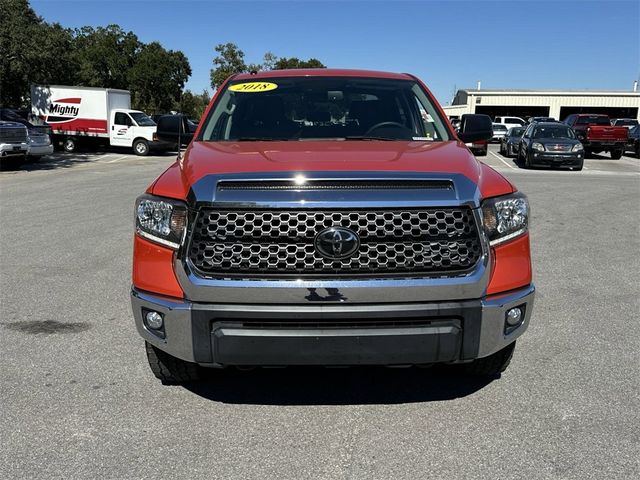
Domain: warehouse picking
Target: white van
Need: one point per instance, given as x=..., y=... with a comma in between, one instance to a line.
x=510, y=122
x=94, y=116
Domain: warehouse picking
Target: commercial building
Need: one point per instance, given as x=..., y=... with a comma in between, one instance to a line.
x=544, y=103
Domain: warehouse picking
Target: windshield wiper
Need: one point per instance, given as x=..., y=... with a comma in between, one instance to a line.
x=370, y=137
x=260, y=139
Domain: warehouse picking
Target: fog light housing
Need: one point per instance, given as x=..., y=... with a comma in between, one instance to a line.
x=154, y=320
x=513, y=318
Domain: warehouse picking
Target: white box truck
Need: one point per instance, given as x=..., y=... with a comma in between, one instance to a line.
x=87, y=115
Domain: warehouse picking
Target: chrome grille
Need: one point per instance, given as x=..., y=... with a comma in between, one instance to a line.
x=274, y=243
x=558, y=147
x=13, y=135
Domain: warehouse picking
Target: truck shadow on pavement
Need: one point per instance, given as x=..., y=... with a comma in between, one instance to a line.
x=332, y=386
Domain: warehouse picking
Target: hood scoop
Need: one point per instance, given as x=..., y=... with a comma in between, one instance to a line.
x=300, y=184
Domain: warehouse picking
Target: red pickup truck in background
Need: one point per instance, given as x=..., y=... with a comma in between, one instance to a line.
x=597, y=135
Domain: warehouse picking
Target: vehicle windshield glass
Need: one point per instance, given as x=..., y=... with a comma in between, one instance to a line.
x=324, y=108
x=517, y=121
x=593, y=120
x=626, y=122
x=516, y=132
x=553, y=131
x=142, y=120
x=501, y=128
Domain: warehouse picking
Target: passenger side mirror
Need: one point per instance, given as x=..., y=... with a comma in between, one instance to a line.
x=475, y=127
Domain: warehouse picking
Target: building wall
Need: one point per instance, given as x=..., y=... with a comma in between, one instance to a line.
x=620, y=104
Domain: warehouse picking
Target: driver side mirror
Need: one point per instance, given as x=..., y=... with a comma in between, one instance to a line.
x=475, y=127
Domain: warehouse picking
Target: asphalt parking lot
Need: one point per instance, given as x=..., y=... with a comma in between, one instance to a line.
x=77, y=399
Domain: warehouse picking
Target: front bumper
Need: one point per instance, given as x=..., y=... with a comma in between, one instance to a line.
x=569, y=159
x=40, y=150
x=354, y=334
x=13, y=149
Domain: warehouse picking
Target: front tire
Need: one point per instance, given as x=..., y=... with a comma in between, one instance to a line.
x=490, y=366
x=527, y=160
x=170, y=370
x=141, y=147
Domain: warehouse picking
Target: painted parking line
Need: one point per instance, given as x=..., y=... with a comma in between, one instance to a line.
x=502, y=160
x=118, y=159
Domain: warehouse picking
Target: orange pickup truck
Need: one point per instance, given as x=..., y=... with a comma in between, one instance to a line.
x=597, y=135
x=330, y=217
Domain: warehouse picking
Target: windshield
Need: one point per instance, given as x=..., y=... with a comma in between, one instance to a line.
x=500, y=128
x=593, y=120
x=516, y=132
x=324, y=108
x=625, y=123
x=553, y=131
x=142, y=120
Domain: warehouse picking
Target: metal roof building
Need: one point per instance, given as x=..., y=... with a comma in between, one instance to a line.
x=544, y=103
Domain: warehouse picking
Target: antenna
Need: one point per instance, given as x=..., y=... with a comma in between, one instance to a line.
x=179, y=137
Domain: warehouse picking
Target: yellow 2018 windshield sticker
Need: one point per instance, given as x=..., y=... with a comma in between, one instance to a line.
x=252, y=87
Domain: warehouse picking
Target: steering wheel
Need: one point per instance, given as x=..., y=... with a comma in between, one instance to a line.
x=384, y=124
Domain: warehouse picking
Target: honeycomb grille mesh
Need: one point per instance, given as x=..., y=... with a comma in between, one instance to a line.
x=279, y=243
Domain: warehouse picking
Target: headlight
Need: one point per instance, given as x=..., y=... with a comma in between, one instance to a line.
x=538, y=147
x=161, y=220
x=577, y=148
x=505, y=217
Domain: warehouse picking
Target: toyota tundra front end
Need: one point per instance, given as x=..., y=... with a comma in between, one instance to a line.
x=330, y=217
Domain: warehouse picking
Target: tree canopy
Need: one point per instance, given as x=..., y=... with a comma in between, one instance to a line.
x=230, y=60
x=37, y=52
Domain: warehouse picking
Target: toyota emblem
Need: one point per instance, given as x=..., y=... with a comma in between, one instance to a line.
x=336, y=243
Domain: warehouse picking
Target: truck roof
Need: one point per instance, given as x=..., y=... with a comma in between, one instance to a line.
x=323, y=72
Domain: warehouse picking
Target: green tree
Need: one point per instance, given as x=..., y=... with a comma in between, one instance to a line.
x=194, y=105
x=105, y=55
x=230, y=60
x=31, y=51
x=157, y=78
x=293, y=62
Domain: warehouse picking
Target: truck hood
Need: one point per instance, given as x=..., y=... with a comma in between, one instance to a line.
x=202, y=159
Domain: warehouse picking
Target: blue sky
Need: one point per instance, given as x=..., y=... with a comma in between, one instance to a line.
x=505, y=44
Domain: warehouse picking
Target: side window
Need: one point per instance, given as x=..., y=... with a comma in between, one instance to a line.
x=527, y=132
x=498, y=120
x=122, y=119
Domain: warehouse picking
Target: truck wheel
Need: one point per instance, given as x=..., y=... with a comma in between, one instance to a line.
x=70, y=145
x=169, y=369
x=490, y=366
x=638, y=150
x=141, y=147
x=616, y=154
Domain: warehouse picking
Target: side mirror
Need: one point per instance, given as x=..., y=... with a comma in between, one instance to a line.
x=475, y=127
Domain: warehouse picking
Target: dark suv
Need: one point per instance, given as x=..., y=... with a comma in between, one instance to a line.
x=552, y=144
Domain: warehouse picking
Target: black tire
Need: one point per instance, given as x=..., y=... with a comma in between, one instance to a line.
x=527, y=160
x=501, y=149
x=483, y=153
x=70, y=145
x=637, y=150
x=578, y=168
x=490, y=366
x=169, y=369
x=616, y=154
x=141, y=147
x=508, y=152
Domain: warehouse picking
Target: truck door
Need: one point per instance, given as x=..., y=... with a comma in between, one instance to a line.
x=121, y=134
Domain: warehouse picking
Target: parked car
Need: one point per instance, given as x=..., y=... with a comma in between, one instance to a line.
x=174, y=127
x=634, y=141
x=551, y=144
x=499, y=132
x=540, y=119
x=13, y=143
x=374, y=238
x=39, y=138
x=510, y=122
x=511, y=141
x=624, y=122
x=597, y=135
